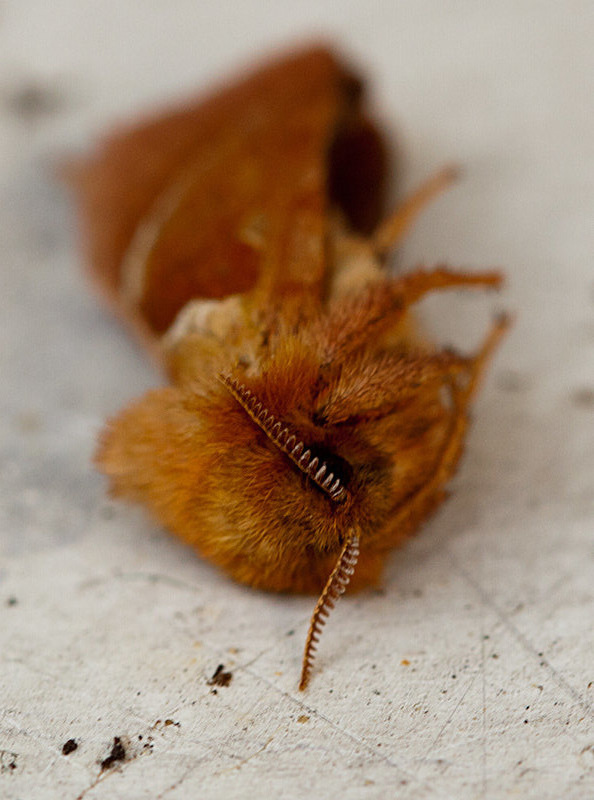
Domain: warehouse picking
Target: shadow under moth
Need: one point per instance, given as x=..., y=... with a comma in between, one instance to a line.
x=307, y=429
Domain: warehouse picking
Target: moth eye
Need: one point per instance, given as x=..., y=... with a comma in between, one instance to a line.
x=337, y=468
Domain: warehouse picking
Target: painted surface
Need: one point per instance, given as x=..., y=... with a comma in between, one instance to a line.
x=470, y=674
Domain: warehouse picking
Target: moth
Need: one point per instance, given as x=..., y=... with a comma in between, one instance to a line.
x=307, y=429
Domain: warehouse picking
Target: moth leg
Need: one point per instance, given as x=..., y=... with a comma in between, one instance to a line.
x=480, y=361
x=462, y=397
x=389, y=232
x=466, y=372
x=413, y=286
x=463, y=384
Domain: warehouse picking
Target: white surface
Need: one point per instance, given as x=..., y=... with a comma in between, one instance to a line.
x=470, y=675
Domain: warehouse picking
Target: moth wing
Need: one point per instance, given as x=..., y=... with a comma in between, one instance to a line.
x=231, y=194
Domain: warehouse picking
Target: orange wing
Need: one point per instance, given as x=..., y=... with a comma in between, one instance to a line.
x=232, y=193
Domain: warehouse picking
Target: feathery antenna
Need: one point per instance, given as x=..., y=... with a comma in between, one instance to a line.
x=334, y=588
x=277, y=432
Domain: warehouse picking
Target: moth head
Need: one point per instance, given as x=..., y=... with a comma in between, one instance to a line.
x=332, y=425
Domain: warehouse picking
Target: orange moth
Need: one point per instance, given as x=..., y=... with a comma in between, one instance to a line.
x=306, y=430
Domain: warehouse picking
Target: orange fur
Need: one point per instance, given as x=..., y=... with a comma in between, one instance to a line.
x=209, y=474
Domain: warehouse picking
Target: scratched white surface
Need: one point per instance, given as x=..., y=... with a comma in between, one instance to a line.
x=470, y=674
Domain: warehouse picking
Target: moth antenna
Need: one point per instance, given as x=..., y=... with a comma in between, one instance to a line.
x=334, y=588
x=286, y=441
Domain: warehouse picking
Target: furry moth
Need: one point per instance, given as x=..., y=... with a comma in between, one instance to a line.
x=306, y=431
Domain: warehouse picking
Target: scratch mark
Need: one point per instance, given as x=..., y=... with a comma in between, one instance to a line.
x=451, y=716
x=484, y=696
x=311, y=712
x=526, y=644
x=314, y=712
x=238, y=766
x=34, y=669
x=148, y=577
x=178, y=783
x=182, y=779
x=258, y=656
x=483, y=670
x=95, y=783
x=81, y=693
x=248, y=758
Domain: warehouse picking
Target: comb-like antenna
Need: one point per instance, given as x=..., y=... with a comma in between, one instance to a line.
x=334, y=588
x=281, y=436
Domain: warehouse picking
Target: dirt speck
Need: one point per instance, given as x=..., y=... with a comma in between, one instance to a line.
x=303, y=718
x=11, y=601
x=69, y=747
x=220, y=677
x=405, y=662
x=118, y=753
x=8, y=761
x=31, y=101
x=583, y=397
